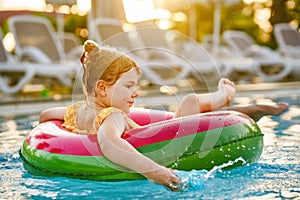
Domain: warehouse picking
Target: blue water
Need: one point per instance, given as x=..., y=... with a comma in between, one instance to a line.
x=275, y=176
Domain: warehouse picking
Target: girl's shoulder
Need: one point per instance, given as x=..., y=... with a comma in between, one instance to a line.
x=75, y=106
x=109, y=110
x=104, y=113
x=70, y=117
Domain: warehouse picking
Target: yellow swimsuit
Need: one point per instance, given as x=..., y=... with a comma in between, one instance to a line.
x=70, y=118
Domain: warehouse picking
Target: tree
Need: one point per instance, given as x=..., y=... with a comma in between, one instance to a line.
x=279, y=12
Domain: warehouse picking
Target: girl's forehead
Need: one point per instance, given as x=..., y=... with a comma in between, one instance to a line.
x=129, y=75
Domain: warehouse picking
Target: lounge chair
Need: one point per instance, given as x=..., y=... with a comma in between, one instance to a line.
x=10, y=81
x=195, y=59
x=272, y=67
x=15, y=74
x=71, y=44
x=239, y=68
x=202, y=63
x=159, y=65
x=36, y=36
x=288, y=40
x=109, y=31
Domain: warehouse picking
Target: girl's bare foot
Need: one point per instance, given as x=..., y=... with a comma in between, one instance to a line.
x=228, y=87
x=257, y=111
x=263, y=110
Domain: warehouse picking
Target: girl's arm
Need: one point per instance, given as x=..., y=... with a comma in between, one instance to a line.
x=124, y=154
x=52, y=113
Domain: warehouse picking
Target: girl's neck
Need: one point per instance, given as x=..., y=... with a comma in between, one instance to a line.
x=92, y=103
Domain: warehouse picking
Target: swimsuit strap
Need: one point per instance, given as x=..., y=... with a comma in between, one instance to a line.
x=104, y=113
x=70, y=118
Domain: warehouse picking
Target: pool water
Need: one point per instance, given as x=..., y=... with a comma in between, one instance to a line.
x=275, y=176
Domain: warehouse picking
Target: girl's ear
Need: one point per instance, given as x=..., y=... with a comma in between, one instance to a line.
x=100, y=88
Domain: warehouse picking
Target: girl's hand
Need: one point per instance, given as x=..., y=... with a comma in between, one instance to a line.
x=164, y=176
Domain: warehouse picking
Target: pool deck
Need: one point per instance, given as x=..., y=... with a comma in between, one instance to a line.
x=149, y=97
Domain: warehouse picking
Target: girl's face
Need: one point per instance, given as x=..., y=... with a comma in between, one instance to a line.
x=122, y=94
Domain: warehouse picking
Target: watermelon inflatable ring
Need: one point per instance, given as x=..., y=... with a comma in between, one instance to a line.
x=198, y=142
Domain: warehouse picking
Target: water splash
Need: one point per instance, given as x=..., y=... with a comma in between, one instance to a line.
x=194, y=180
x=224, y=165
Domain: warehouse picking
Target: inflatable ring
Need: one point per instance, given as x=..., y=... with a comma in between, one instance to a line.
x=199, y=141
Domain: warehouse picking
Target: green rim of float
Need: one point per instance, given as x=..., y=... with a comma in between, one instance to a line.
x=200, y=150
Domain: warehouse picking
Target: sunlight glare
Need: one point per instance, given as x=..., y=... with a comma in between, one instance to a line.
x=179, y=17
x=74, y=9
x=143, y=10
x=139, y=10
x=64, y=9
x=290, y=4
x=165, y=24
x=84, y=6
x=253, y=1
x=9, y=42
x=37, y=5
x=262, y=17
x=49, y=8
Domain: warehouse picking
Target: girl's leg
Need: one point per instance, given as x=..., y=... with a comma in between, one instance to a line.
x=198, y=103
x=257, y=111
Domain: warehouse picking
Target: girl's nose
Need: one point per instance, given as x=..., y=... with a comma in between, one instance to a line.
x=135, y=94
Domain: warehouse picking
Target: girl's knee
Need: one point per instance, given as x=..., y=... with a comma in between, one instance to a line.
x=189, y=105
x=190, y=100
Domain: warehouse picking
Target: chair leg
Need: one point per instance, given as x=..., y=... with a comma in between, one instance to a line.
x=29, y=74
x=287, y=68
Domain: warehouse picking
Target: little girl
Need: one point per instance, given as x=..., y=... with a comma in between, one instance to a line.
x=110, y=86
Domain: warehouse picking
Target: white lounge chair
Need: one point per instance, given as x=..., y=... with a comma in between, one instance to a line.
x=71, y=44
x=192, y=56
x=153, y=60
x=272, y=67
x=239, y=68
x=288, y=40
x=109, y=31
x=36, y=41
x=202, y=63
x=10, y=82
x=15, y=74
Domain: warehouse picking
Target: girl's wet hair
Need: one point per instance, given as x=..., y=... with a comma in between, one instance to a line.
x=103, y=63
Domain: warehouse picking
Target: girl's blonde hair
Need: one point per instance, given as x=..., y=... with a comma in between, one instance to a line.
x=103, y=63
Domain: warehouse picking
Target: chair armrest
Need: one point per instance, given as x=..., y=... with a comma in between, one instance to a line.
x=33, y=54
x=256, y=51
x=290, y=51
